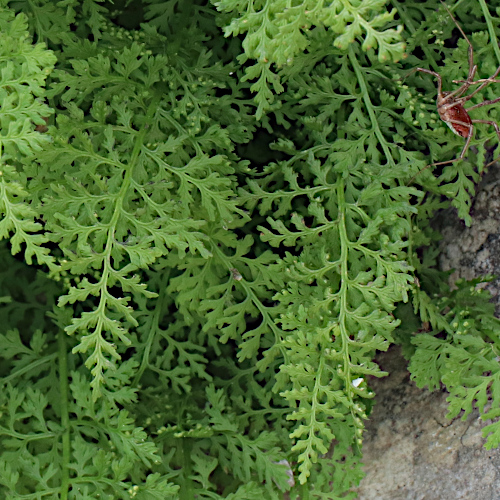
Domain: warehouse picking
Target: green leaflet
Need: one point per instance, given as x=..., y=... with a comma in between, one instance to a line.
x=466, y=360
x=25, y=68
x=277, y=31
x=217, y=235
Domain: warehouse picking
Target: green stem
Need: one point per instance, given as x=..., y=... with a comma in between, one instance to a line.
x=154, y=322
x=186, y=492
x=63, y=393
x=344, y=270
x=369, y=106
x=491, y=29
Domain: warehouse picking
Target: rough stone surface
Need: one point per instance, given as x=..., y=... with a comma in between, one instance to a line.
x=475, y=251
x=411, y=450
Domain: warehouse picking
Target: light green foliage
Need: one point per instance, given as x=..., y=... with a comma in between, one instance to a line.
x=276, y=31
x=216, y=201
x=25, y=68
x=466, y=359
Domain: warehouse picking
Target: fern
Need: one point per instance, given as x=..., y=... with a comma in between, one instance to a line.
x=209, y=234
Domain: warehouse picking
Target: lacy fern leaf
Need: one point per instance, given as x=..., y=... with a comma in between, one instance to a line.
x=209, y=234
